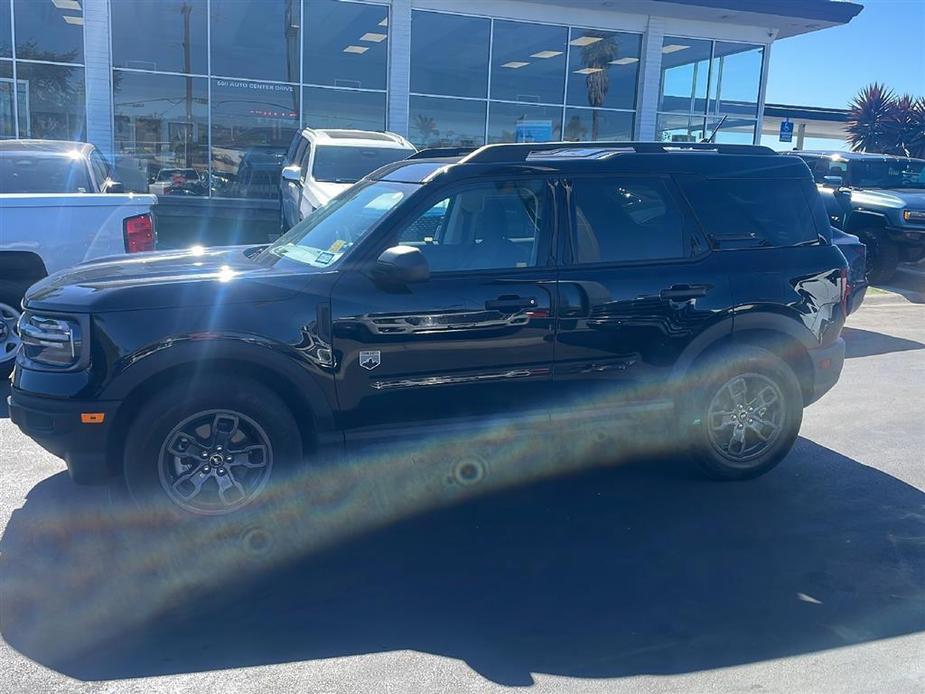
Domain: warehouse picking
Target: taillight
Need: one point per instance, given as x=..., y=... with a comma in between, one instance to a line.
x=845, y=292
x=138, y=232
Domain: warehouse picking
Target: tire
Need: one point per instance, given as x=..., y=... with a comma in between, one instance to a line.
x=215, y=449
x=10, y=300
x=714, y=418
x=882, y=258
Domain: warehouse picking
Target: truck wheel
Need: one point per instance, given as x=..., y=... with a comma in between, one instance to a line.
x=882, y=259
x=745, y=413
x=211, y=452
x=10, y=299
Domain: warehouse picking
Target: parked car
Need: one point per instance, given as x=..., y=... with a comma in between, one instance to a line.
x=178, y=182
x=59, y=206
x=694, y=282
x=855, y=253
x=878, y=198
x=322, y=163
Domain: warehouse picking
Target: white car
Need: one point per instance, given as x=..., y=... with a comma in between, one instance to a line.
x=320, y=164
x=59, y=206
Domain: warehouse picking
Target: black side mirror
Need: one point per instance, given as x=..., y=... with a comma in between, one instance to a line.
x=833, y=181
x=115, y=187
x=401, y=265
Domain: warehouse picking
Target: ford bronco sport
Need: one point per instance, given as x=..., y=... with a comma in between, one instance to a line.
x=696, y=280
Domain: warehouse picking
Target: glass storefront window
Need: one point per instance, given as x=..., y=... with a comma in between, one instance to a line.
x=7, y=122
x=685, y=71
x=256, y=40
x=679, y=128
x=6, y=33
x=528, y=62
x=523, y=123
x=51, y=101
x=49, y=31
x=603, y=68
x=342, y=108
x=346, y=44
x=164, y=35
x=735, y=78
x=586, y=124
x=161, y=133
x=252, y=125
x=449, y=54
x=436, y=122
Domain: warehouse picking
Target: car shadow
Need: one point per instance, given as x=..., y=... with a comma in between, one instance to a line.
x=867, y=343
x=603, y=573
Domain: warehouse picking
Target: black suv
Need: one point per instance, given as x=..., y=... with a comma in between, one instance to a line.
x=539, y=285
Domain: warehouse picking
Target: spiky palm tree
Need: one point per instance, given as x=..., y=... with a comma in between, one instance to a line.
x=871, y=111
x=905, y=129
x=427, y=126
x=597, y=57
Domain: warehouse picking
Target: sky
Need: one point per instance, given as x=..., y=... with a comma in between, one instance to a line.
x=885, y=43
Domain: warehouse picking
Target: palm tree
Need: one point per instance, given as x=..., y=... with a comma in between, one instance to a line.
x=882, y=122
x=427, y=126
x=596, y=57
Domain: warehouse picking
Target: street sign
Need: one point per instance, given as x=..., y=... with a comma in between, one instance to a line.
x=786, y=131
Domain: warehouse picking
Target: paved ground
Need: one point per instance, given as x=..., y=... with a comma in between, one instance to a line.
x=642, y=578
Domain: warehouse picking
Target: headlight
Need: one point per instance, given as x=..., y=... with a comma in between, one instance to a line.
x=50, y=341
x=914, y=216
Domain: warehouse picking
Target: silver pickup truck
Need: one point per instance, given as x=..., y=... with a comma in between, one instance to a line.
x=59, y=206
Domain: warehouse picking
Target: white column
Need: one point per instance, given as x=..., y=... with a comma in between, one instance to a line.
x=650, y=78
x=765, y=63
x=98, y=75
x=399, y=66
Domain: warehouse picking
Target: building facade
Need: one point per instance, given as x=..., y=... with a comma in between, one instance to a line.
x=220, y=86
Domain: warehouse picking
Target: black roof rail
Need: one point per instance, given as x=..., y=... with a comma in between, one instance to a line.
x=441, y=152
x=519, y=152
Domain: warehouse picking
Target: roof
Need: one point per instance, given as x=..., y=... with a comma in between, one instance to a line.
x=567, y=158
x=44, y=146
x=853, y=156
x=357, y=138
x=781, y=17
x=812, y=113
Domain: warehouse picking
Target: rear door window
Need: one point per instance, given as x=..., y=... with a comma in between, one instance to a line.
x=623, y=219
x=757, y=212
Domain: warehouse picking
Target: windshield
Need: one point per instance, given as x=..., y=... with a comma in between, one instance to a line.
x=895, y=173
x=325, y=236
x=335, y=164
x=29, y=173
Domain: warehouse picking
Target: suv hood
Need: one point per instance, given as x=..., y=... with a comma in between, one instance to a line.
x=321, y=192
x=909, y=197
x=191, y=277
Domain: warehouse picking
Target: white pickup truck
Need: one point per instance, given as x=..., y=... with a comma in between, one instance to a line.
x=59, y=206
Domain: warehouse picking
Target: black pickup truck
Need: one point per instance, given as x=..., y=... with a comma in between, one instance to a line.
x=878, y=198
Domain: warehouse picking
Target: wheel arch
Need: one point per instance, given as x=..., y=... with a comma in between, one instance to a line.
x=22, y=267
x=301, y=395
x=778, y=334
x=859, y=220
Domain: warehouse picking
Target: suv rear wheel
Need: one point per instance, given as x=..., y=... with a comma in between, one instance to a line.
x=745, y=415
x=211, y=452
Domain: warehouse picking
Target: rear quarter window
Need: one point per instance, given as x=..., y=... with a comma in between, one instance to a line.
x=755, y=212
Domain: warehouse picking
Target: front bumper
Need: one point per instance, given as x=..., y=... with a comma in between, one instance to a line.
x=827, y=365
x=57, y=427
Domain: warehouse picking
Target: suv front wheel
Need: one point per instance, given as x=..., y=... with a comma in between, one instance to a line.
x=210, y=450
x=745, y=415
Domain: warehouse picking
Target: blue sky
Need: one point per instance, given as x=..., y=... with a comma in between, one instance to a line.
x=885, y=42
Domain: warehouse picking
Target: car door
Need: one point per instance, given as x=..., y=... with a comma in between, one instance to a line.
x=474, y=341
x=304, y=205
x=637, y=285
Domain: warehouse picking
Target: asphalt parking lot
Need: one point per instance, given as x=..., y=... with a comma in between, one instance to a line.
x=638, y=578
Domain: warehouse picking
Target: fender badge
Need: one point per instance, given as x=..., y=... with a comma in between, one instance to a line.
x=370, y=360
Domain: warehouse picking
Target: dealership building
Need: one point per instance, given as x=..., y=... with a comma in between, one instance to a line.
x=220, y=86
